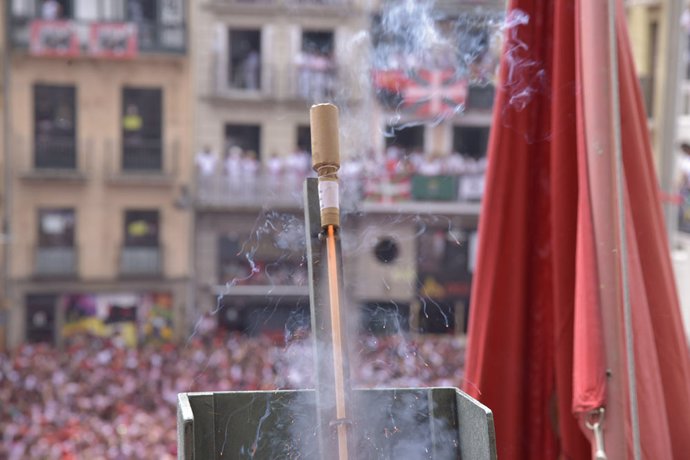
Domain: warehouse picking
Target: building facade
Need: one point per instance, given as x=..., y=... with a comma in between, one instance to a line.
x=408, y=235
x=100, y=116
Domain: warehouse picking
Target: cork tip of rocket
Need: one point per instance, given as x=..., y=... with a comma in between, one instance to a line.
x=325, y=145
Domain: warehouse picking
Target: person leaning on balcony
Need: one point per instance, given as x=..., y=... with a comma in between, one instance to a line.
x=206, y=161
x=250, y=169
x=233, y=167
x=274, y=165
x=51, y=10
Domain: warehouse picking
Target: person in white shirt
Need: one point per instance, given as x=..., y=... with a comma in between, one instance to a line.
x=432, y=166
x=51, y=10
x=250, y=171
x=206, y=161
x=233, y=168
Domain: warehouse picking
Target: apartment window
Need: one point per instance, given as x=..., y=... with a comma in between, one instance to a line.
x=304, y=138
x=40, y=317
x=56, y=228
x=244, y=70
x=49, y=10
x=316, y=68
x=142, y=129
x=231, y=264
x=55, y=129
x=318, y=43
x=409, y=138
x=471, y=140
x=246, y=137
x=142, y=228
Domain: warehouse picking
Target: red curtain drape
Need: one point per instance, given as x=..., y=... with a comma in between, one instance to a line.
x=548, y=276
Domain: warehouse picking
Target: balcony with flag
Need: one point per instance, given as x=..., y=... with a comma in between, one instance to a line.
x=117, y=29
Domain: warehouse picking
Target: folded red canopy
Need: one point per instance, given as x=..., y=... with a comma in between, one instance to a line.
x=557, y=260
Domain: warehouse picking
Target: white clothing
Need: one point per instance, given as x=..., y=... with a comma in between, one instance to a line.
x=206, y=162
x=50, y=10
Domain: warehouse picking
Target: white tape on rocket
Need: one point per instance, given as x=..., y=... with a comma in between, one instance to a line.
x=328, y=194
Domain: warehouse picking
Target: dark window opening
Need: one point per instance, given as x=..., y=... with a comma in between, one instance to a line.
x=445, y=278
x=318, y=43
x=142, y=129
x=304, y=138
x=437, y=318
x=471, y=140
x=278, y=317
x=142, y=228
x=246, y=137
x=54, y=10
x=40, y=318
x=142, y=11
x=245, y=59
x=384, y=318
x=56, y=228
x=276, y=261
x=55, y=127
x=231, y=264
x=316, y=69
x=407, y=138
x=144, y=14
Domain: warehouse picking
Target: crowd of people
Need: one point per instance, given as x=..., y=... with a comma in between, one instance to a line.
x=239, y=173
x=95, y=398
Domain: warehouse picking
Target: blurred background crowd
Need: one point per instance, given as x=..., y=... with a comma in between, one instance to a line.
x=97, y=398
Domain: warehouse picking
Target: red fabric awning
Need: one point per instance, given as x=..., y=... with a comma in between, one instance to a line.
x=547, y=307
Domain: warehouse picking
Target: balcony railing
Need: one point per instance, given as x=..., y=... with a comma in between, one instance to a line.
x=55, y=262
x=145, y=155
x=221, y=190
x=141, y=261
x=314, y=83
x=141, y=158
x=51, y=158
x=224, y=86
x=55, y=152
x=31, y=33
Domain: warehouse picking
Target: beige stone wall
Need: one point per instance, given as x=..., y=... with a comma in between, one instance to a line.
x=275, y=110
x=101, y=197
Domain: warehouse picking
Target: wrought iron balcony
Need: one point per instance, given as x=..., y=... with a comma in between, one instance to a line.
x=55, y=152
x=223, y=84
x=141, y=261
x=152, y=161
x=52, y=158
x=74, y=37
x=55, y=262
x=314, y=82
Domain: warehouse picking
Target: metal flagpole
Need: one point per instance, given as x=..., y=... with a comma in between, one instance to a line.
x=622, y=236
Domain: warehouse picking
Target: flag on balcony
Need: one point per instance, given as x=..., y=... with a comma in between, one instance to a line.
x=426, y=93
x=434, y=93
x=53, y=38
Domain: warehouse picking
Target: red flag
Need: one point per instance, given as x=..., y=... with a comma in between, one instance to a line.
x=546, y=341
x=434, y=93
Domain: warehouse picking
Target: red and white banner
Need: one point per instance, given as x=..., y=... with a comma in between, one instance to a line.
x=422, y=93
x=388, y=188
x=53, y=38
x=113, y=40
x=433, y=93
